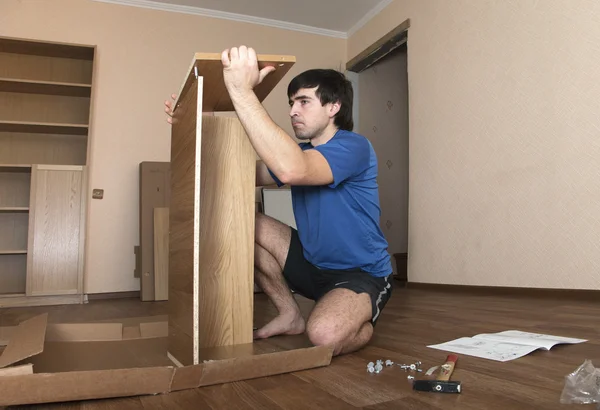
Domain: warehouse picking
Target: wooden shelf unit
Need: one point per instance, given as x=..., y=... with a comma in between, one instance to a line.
x=46, y=93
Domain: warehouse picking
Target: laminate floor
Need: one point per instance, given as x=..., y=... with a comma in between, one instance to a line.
x=413, y=319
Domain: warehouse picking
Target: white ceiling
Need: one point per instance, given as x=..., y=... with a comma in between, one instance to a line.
x=337, y=18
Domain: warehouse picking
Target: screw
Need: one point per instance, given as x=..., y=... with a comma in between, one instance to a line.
x=418, y=364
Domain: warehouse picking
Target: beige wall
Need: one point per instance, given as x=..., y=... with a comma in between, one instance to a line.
x=504, y=151
x=142, y=57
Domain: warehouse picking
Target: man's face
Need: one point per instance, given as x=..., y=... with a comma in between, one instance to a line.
x=309, y=117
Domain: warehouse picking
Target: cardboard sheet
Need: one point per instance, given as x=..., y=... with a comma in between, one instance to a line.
x=89, y=361
x=27, y=340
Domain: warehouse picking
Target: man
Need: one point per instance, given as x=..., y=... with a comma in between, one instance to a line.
x=338, y=256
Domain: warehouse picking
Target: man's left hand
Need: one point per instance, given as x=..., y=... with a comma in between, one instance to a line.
x=240, y=69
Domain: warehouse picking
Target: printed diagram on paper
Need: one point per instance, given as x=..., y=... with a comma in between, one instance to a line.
x=504, y=346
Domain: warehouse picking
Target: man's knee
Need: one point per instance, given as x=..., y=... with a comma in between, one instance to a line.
x=323, y=333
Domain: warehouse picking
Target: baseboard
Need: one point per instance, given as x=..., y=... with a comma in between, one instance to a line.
x=553, y=293
x=114, y=295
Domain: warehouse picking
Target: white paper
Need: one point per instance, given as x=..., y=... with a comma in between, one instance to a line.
x=503, y=346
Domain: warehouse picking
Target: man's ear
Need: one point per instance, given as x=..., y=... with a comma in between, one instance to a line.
x=334, y=108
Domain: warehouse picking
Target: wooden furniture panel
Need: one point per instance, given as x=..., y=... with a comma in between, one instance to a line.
x=55, y=245
x=43, y=68
x=161, y=253
x=226, y=254
x=45, y=87
x=13, y=273
x=215, y=97
x=34, y=148
x=29, y=107
x=212, y=211
x=43, y=127
x=13, y=230
x=46, y=94
x=14, y=189
x=154, y=192
x=184, y=230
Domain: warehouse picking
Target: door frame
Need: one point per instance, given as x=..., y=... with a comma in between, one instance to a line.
x=381, y=48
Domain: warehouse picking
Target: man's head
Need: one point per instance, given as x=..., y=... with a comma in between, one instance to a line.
x=320, y=98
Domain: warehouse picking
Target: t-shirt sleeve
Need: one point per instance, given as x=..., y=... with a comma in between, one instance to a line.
x=347, y=157
x=277, y=181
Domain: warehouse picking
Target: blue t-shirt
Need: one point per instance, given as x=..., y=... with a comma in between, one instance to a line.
x=338, y=224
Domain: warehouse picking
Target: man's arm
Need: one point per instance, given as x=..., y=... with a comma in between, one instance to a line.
x=274, y=146
x=263, y=177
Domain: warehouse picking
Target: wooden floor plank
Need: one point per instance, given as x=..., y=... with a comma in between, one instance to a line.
x=412, y=320
x=237, y=395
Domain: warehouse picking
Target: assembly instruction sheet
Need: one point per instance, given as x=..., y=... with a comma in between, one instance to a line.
x=503, y=346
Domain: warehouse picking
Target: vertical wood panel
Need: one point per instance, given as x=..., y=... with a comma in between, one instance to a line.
x=154, y=192
x=55, y=241
x=13, y=273
x=226, y=274
x=13, y=230
x=14, y=188
x=182, y=343
x=161, y=253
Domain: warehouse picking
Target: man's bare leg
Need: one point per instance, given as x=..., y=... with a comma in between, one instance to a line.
x=342, y=320
x=271, y=248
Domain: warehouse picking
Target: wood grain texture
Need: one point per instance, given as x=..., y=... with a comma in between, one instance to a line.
x=211, y=268
x=14, y=273
x=183, y=233
x=42, y=148
x=226, y=255
x=43, y=127
x=161, y=253
x=154, y=191
x=215, y=95
x=55, y=242
x=19, y=45
x=45, y=87
x=14, y=188
x=45, y=108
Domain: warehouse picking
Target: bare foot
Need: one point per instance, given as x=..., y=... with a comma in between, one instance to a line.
x=289, y=324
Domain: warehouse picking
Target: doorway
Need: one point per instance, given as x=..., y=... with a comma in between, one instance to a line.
x=380, y=80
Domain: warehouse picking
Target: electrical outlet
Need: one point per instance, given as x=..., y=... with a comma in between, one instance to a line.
x=98, y=193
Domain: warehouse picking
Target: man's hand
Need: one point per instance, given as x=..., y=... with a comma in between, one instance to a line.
x=240, y=69
x=169, y=108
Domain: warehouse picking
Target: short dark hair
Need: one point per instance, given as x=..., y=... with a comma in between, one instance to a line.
x=332, y=86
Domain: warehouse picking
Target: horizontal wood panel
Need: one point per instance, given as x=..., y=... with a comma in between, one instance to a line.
x=40, y=68
x=45, y=48
x=44, y=108
x=215, y=95
x=15, y=167
x=45, y=87
x=43, y=127
x=40, y=148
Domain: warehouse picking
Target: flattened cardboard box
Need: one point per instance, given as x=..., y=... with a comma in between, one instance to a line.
x=45, y=363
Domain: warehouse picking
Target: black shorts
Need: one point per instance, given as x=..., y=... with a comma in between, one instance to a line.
x=313, y=283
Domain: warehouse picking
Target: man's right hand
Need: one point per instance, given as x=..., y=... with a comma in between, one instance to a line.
x=169, y=108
